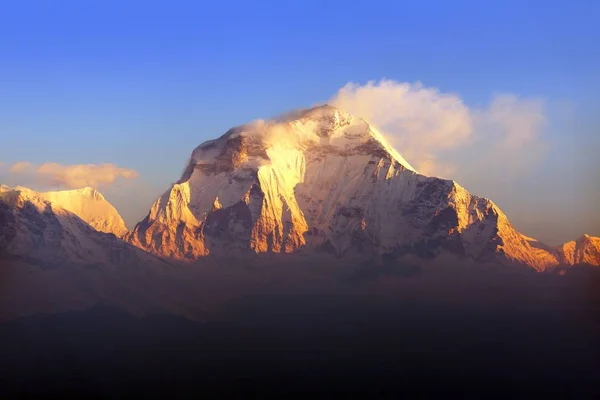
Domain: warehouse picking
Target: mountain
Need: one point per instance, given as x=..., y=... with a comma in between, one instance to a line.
x=323, y=180
x=52, y=260
x=321, y=184
x=87, y=203
x=585, y=250
x=63, y=228
x=315, y=182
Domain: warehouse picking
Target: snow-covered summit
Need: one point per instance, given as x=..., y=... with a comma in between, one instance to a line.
x=324, y=180
x=45, y=229
x=320, y=130
x=87, y=203
x=584, y=250
x=315, y=180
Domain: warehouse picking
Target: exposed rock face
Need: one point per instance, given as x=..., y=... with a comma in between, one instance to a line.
x=324, y=180
x=41, y=232
x=87, y=203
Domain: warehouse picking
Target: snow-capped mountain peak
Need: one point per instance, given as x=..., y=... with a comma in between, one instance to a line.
x=87, y=203
x=584, y=250
x=54, y=229
x=260, y=165
x=316, y=180
x=323, y=129
x=324, y=180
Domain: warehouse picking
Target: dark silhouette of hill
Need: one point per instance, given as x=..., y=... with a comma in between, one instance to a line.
x=318, y=344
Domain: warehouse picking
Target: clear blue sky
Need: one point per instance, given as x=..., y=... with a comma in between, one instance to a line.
x=141, y=83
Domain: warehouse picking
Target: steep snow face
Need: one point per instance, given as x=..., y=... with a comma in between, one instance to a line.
x=38, y=231
x=87, y=203
x=323, y=180
x=238, y=191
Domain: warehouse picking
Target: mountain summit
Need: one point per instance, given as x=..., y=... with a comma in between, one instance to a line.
x=324, y=180
x=70, y=227
x=249, y=188
x=87, y=203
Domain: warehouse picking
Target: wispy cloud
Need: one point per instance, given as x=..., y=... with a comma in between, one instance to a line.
x=512, y=122
x=72, y=176
x=440, y=135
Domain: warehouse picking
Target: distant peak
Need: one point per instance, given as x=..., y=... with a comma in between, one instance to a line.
x=89, y=192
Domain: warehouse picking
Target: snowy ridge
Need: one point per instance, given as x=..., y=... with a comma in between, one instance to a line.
x=42, y=232
x=87, y=203
x=585, y=250
x=324, y=180
x=252, y=172
x=319, y=183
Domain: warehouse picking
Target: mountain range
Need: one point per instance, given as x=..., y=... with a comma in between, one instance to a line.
x=325, y=180
x=314, y=183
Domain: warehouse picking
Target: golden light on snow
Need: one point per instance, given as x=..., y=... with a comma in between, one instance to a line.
x=322, y=179
x=87, y=203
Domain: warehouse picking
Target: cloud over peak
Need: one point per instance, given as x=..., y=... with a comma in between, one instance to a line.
x=439, y=134
x=72, y=176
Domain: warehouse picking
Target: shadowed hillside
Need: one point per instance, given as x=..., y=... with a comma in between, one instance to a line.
x=530, y=341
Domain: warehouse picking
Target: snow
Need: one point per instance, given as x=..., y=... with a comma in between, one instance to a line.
x=320, y=183
x=323, y=177
x=38, y=229
x=585, y=250
x=87, y=203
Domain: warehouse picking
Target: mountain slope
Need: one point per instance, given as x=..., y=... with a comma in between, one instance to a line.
x=87, y=203
x=585, y=250
x=52, y=261
x=324, y=180
x=35, y=227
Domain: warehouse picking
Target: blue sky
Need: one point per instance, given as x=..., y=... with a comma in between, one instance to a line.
x=139, y=84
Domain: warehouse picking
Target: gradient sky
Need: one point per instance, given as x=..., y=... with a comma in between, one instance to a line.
x=139, y=84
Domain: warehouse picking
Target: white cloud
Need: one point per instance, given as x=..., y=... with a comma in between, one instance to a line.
x=73, y=176
x=440, y=135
